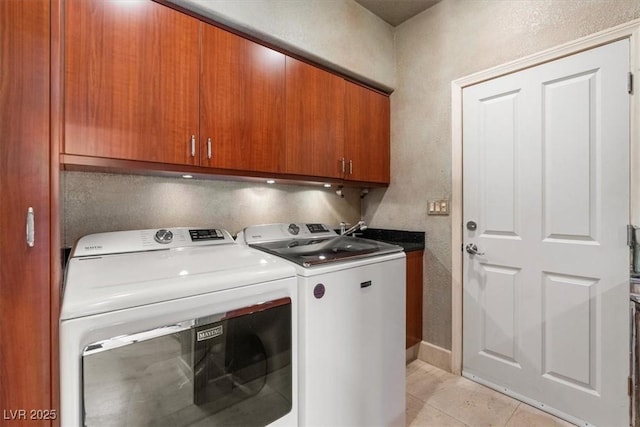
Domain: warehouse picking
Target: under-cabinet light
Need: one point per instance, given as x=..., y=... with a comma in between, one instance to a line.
x=187, y=176
x=271, y=181
x=327, y=186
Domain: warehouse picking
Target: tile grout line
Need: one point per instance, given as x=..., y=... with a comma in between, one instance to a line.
x=513, y=413
x=416, y=397
x=447, y=414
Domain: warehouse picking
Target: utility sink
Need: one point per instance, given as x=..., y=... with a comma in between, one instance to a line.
x=309, y=252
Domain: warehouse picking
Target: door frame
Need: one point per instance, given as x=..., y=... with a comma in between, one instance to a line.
x=629, y=30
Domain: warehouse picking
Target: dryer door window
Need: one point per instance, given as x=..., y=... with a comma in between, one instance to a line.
x=230, y=368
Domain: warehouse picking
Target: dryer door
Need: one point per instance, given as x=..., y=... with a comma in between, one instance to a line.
x=233, y=367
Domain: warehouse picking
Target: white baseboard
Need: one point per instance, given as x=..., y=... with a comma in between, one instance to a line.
x=412, y=353
x=434, y=355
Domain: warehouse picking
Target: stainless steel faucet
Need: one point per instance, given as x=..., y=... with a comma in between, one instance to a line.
x=360, y=225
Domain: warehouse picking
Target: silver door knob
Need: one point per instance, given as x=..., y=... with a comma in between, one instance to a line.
x=473, y=249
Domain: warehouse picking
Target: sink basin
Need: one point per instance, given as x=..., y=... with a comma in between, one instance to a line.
x=333, y=244
x=309, y=252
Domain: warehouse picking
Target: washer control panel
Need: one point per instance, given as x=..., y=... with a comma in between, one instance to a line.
x=294, y=229
x=148, y=240
x=284, y=231
x=317, y=228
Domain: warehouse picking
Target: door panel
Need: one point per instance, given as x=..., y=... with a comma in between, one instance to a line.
x=568, y=109
x=569, y=317
x=499, y=309
x=499, y=171
x=546, y=177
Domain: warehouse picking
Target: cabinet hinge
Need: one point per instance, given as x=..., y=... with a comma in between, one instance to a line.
x=630, y=83
x=631, y=235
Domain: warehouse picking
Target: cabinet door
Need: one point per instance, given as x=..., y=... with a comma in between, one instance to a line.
x=367, y=129
x=25, y=349
x=241, y=103
x=414, y=297
x=131, y=81
x=315, y=121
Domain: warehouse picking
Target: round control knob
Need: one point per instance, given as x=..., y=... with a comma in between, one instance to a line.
x=294, y=229
x=163, y=236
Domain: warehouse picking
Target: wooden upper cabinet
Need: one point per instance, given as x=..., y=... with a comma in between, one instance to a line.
x=131, y=81
x=314, y=121
x=145, y=82
x=367, y=135
x=241, y=103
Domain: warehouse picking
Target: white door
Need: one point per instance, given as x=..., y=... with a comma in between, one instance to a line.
x=546, y=181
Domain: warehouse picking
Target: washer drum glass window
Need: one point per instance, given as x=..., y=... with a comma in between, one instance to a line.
x=233, y=367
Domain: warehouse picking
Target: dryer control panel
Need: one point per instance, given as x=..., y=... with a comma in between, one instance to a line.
x=148, y=240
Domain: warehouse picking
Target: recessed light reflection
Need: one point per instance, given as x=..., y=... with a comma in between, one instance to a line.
x=183, y=273
x=187, y=176
x=327, y=186
x=271, y=181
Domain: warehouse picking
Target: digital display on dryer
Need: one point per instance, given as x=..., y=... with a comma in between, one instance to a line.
x=206, y=234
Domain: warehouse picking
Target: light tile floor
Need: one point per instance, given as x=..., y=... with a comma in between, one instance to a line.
x=440, y=399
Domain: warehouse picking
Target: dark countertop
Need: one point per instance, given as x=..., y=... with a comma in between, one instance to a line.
x=409, y=240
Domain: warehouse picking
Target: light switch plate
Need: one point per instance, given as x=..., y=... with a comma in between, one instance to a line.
x=438, y=207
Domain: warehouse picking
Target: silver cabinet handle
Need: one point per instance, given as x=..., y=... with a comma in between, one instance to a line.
x=473, y=249
x=208, y=148
x=350, y=167
x=342, y=169
x=31, y=231
x=193, y=145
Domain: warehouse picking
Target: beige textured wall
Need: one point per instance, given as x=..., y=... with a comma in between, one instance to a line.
x=340, y=34
x=453, y=39
x=96, y=202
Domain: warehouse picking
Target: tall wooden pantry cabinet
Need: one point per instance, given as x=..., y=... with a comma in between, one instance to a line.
x=25, y=198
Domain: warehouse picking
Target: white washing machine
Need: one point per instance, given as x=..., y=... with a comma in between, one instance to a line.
x=351, y=323
x=177, y=327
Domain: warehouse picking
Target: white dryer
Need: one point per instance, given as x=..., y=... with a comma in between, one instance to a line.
x=351, y=322
x=177, y=327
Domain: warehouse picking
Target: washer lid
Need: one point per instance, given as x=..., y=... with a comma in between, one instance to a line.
x=107, y=283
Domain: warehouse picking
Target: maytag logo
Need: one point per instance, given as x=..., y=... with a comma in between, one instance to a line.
x=207, y=334
x=93, y=248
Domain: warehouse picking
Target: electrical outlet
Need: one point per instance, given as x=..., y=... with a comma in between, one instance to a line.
x=438, y=207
